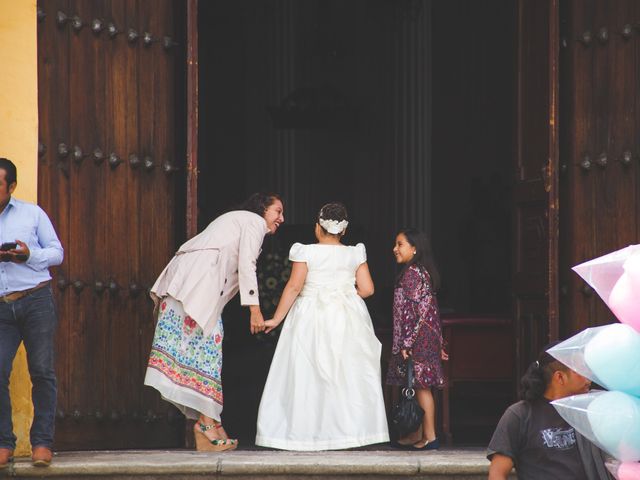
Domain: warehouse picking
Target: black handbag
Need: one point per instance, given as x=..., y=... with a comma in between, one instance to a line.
x=406, y=415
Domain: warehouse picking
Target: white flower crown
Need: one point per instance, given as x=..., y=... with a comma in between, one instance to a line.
x=333, y=226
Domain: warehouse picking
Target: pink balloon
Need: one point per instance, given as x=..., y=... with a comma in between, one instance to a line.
x=624, y=299
x=632, y=267
x=629, y=471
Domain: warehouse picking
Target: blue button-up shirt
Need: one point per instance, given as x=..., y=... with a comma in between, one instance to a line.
x=28, y=223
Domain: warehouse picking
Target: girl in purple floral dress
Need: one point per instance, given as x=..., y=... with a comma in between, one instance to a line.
x=417, y=331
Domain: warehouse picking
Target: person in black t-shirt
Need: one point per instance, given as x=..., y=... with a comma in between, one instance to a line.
x=533, y=437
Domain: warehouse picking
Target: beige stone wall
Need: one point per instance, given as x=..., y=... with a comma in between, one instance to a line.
x=19, y=142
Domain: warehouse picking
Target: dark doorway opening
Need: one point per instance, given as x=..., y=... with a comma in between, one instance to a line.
x=403, y=110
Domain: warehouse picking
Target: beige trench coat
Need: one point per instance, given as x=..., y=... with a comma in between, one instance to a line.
x=208, y=270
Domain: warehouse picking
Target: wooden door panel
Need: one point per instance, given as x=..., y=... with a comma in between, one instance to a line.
x=535, y=191
x=53, y=186
x=123, y=109
x=600, y=124
x=532, y=327
x=155, y=127
x=613, y=183
x=577, y=205
x=111, y=95
x=84, y=389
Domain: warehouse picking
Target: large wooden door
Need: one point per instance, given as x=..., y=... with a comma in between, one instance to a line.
x=600, y=181
x=108, y=176
x=536, y=184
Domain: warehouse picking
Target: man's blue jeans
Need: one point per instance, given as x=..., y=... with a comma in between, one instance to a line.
x=31, y=319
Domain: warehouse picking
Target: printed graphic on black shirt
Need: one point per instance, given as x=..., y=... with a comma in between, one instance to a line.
x=559, y=438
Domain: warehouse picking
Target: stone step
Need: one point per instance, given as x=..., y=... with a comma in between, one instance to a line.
x=459, y=464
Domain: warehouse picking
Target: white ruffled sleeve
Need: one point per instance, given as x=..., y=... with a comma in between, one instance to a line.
x=361, y=253
x=298, y=253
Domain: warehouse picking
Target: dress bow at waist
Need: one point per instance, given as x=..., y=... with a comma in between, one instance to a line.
x=324, y=291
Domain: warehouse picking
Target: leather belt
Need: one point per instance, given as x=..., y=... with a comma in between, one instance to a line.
x=13, y=296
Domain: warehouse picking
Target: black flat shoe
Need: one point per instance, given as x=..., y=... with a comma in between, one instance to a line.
x=432, y=445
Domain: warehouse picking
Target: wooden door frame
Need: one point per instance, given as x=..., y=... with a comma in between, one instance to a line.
x=192, y=119
x=536, y=299
x=551, y=170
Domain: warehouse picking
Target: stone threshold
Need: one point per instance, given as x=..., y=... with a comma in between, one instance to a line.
x=174, y=464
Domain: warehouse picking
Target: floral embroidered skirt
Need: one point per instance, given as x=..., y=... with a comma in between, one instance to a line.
x=184, y=365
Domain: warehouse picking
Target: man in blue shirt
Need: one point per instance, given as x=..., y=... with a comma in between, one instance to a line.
x=27, y=313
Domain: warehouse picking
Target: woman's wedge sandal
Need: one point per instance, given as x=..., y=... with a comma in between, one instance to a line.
x=204, y=444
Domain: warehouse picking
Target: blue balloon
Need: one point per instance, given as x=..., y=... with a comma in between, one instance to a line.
x=615, y=421
x=613, y=355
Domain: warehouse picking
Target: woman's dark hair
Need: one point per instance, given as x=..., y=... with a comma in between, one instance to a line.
x=259, y=202
x=333, y=211
x=9, y=167
x=424, y=254
x=538, y=376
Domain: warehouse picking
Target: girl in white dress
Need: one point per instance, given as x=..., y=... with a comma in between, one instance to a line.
x=324, y=390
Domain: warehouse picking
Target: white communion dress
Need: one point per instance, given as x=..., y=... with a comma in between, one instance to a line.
x=324, y=389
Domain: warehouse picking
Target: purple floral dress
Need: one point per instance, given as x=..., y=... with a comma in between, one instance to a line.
x=416, y=326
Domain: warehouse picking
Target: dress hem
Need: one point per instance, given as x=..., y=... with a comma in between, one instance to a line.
x=189, y=402
x=336, y=444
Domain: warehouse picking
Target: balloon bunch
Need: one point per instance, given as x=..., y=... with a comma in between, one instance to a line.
x=609, y=356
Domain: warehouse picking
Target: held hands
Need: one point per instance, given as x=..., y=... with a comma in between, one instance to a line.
x=406, y=353
x=257, y=321
x=444, y=355
x=16, y=255
x=271, y=324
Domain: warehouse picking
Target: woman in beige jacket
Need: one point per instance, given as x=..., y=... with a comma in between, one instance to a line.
x=207, y=271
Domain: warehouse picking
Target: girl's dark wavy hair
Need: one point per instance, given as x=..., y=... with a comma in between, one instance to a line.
x=424, y=254
x=538, y=376
x=259, y=202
